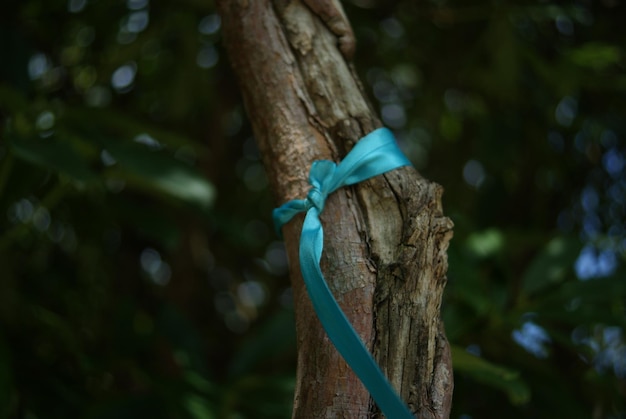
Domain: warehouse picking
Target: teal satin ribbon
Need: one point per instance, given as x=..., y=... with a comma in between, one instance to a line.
x=374, y=154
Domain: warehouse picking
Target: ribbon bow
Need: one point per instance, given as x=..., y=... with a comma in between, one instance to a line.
x=374, y=154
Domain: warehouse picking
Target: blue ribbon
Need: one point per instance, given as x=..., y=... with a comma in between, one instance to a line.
x=374, y=154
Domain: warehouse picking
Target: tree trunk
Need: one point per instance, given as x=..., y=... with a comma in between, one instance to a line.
x=385, y=239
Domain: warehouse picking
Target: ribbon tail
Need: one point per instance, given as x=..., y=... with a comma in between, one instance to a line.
x=337, y=326
x=286, y=212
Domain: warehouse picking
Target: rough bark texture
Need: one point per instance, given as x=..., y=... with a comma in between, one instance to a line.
x=385, y=239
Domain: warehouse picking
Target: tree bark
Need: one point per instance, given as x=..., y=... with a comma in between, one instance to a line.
x=385, y=239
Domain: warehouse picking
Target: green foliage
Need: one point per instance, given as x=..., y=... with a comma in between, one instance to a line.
x=139, y=275
x=492, y=375
x=123, y=292
x=595, y=55
x=551, y=265
x=517, y=110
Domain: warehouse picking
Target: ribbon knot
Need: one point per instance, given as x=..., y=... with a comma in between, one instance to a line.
x=321, y=180
x=374, y=154
x=316, y=199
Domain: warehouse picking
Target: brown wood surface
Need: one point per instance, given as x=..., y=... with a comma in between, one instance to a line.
x=385, y=239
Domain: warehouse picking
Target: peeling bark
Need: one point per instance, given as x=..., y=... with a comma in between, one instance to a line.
x=385, y=239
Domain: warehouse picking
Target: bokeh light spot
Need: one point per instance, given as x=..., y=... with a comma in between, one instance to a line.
x=137, y=21
x=251, y=293
x=75, y=6
x=394, y=115
x=38, y=65
x=41, y=219
x=566, y=111
x=207, y=57
x=210, y=24
x=595, y=263
x=106, y=158
x=98, y=96
x=474, y=173
x=392, y=27
x=613, y=162
x=123, y=77
x=533, y=338
x=147, y=140
x=136, y=4
x=589, y=199
x=158, y=270
x=564, y=25
x=45, y=121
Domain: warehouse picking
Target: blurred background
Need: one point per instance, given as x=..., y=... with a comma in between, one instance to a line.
x=139, y=272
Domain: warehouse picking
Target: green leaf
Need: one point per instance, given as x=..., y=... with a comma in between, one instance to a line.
x=54, y=154
x=595, y=55
x=199, y=408
x=486, y=243
x=490, y=374
x=159, y=172
x=552, y=265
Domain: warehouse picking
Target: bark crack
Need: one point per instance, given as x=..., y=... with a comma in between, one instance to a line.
x=384, y=256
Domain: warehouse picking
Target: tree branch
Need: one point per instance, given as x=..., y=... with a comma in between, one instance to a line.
x=386, y=239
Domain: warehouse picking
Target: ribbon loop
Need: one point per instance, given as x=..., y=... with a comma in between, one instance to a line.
x=374, y=154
